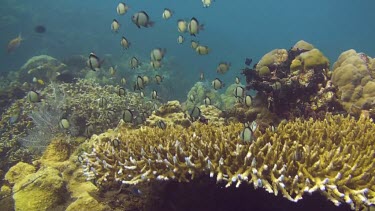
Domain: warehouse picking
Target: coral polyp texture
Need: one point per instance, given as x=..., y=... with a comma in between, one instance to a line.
x=331, y=156
x=354, y=75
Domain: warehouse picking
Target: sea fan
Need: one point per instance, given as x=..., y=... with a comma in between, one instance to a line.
x=46, y=119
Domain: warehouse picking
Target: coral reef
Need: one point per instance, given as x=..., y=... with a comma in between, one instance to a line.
x=18, y=172
x=213, y=115
x=39, y=191
x=353, y=75
x=199, y=92
x=228, y=98
x=171, y=113
x=34, y=125
x=42, y=67
x=332, y=156
x=295, y=82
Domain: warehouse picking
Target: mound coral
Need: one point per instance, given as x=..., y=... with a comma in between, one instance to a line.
x=42, y=67
x=332, y=156
x=293, y=81
x=199, y=92
x=354, y=76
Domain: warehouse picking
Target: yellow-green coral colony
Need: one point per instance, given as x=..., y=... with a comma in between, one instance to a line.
x=332, y=156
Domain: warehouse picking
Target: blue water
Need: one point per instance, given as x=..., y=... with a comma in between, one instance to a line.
x=234, y=30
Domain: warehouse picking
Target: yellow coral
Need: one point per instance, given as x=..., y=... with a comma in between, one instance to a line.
x=333, y=157
x=313, y=58
x=274, y=57
x=295, y=65
x=354, y=77
x=303, y=45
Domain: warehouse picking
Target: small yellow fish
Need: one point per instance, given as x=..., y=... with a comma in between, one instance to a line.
x=14, y=44
x=194, y=44
x=40, y=81
x=112, y=71
x=115, y=26
x=122, y=8
x=202, y=50
x=167, y=13
x=125, y=43
x=123, y=81
x=182, y=25
x=223, y=67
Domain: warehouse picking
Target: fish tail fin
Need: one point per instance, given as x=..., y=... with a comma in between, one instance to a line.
x=150, y=24
x=201, y=27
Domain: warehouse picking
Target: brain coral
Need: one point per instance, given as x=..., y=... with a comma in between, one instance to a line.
x=353, y=75
x=333, y=156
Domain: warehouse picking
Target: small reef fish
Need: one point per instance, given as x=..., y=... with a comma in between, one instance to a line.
x=201, y=76
x=248, y=61
x=155, y=64
x=121, y=92
x=112, y=71
x=142, y=19
x=64, y=124
x=192, y=98
x=194, y=44
x=157, y=54
x=122, y=8
x=223, y=67
x=127, y=116
x=207, y=3
x=33, y=97
x=207, y=101
x=194, y=27
x=115, y=26
x=38, y=81
x=237, y=80
x=125, y=43
x=134, y=63
x=182, y=25
x=158, y=79
x=202, y=50
x=40, y=29
x=195, y=113
x=217, y=84
x=248, y=101
x=14, y=44
x=139, y=83
x=161, y=124
x=180, y=39
x=123, y=81
x=154, y=94
x=246, y=134
x=94, y=62
x=116, y=143
x=167, y=13
x=239, y=92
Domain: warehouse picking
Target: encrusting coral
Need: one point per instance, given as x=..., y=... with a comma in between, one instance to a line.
x=331, y=156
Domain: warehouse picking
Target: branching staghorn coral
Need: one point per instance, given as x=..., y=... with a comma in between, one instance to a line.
x=333, y=157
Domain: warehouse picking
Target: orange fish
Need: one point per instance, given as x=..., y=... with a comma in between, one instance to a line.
x=14, y=43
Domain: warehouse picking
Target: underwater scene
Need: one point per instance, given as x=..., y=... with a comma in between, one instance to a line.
x=187, y=105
